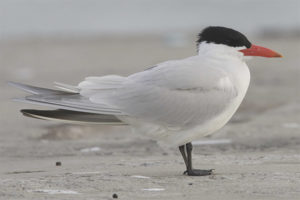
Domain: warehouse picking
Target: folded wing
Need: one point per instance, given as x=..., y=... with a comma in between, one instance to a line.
x=173, y=94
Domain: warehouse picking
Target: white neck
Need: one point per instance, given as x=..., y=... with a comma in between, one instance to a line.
x=219, y=50
x=230, y=60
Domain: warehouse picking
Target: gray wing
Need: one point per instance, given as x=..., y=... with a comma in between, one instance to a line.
x=174, y=94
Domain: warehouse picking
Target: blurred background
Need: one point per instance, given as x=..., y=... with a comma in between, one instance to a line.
x=42, y=41
x=71, y=18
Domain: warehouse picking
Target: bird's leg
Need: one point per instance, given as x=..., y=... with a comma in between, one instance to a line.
x=188, y=162
x=182, y=151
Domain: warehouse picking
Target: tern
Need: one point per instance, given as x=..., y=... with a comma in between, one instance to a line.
x=174, y=102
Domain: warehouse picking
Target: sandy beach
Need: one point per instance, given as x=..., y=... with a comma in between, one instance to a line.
x=256, y=156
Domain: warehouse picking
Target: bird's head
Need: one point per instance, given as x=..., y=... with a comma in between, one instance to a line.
x=232, y=38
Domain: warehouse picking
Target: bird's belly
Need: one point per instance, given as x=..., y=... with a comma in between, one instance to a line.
x=202, y=129
x=181, y=135
x=220, y=120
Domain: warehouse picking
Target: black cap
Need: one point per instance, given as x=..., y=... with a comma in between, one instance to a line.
x=223, y=35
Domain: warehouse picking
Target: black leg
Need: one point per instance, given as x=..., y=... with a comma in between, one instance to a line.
x=182, y=151
x=188, y=162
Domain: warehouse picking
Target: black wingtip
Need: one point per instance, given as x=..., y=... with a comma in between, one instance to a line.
x=30, y=113
x=72, y=116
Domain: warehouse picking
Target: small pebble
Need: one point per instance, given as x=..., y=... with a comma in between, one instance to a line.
x=115, y=196
x=190, y=183
x=58, y=163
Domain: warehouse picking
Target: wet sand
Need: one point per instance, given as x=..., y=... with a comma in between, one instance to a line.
x=256, y=155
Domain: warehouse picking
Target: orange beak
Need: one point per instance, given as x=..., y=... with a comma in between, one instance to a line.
x=255, y=50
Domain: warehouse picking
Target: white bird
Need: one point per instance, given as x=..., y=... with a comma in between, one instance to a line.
x=176, y=101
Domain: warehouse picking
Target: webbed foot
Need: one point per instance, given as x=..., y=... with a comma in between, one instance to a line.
x=198, y=172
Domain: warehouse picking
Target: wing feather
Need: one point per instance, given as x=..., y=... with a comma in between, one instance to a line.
x=175, y=93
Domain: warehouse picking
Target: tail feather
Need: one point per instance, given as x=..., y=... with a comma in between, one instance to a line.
x=72, y=116
x=33, y=89
x=67, y=87
x=64, y=100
